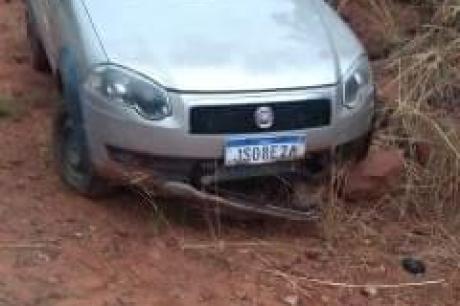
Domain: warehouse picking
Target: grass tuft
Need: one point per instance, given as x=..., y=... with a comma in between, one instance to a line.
x=422, y=114
x=7, y=107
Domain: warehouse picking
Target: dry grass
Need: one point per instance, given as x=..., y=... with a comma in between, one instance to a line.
x=15, y=106
x=422, y=117
x=7, y=107
x=419, y=85
x=419, y=82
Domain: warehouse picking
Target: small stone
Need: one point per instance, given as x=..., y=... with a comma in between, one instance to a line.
x=374, y=176
x=316, y=254
x=413, y=266
x=291, y=300
x=53, y=280
x=43, y=257
x=241, y=294
x=369, y=291
x=206, y=295
x=34, y=176
x=21, y=184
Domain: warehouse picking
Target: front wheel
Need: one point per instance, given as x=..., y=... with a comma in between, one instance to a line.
x=72, y=157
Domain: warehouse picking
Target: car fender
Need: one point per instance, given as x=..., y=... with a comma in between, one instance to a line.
x=70, y=80
x=30, y=11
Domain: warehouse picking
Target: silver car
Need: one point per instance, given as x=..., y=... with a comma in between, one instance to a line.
x=199, y=91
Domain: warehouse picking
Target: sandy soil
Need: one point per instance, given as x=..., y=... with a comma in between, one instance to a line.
x=57, y=248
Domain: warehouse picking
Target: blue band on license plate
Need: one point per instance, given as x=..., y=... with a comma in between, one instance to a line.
x=262, y=150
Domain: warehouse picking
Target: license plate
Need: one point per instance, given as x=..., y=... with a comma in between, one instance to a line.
x=264, y=150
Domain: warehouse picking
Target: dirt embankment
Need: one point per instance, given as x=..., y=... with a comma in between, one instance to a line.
x=57, y=248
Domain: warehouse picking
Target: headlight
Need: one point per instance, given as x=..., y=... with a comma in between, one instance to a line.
x=357, y=84
x=127, y=88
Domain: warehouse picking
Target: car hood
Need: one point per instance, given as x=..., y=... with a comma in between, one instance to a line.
x=211, y=45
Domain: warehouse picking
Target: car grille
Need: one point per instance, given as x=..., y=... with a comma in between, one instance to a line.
x=237, y=119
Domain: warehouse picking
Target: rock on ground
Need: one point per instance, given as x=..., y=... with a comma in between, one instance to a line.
x=375, y=175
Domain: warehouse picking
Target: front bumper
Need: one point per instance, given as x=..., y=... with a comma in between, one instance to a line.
x=170, y=147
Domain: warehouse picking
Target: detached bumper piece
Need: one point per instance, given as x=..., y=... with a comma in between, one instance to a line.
x=231, y=204
x=241, y=190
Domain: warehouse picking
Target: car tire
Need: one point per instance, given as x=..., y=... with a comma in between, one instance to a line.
x=71, y=154
x=38, y=55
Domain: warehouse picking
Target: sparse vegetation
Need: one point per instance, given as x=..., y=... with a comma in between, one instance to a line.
x=419, y=107
x=7, y=107
x=422, y=114
x=417, y=63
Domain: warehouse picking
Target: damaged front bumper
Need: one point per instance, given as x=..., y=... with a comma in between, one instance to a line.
x=121, y=144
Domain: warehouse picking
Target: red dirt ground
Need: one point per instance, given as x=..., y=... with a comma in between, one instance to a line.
x=57, y=248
